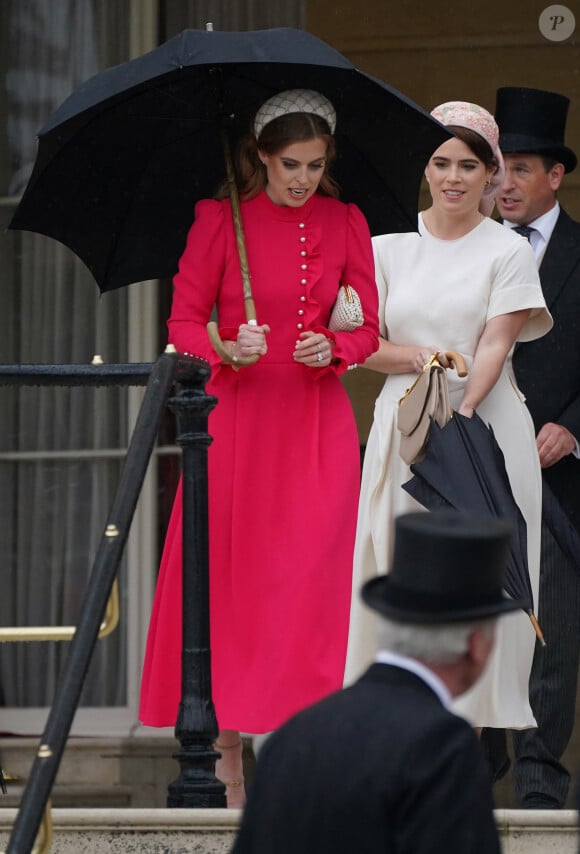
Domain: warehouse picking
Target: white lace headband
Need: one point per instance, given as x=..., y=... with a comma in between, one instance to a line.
x=295, y=101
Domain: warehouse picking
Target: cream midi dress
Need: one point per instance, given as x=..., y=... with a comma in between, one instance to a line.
x=442, y=292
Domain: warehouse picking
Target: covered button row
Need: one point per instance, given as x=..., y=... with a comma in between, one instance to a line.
x=303, y=267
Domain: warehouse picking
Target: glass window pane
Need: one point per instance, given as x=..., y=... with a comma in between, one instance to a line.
x=55, y=489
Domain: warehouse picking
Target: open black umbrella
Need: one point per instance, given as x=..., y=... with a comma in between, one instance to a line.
x=464, y=468
x=123, y=160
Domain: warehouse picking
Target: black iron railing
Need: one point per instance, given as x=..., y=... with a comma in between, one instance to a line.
x=196, y=727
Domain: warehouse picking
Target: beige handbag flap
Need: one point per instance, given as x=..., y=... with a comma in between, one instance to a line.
x=427, y=397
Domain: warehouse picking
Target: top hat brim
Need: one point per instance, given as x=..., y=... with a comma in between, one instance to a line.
x=383, y=596
x=519, y=143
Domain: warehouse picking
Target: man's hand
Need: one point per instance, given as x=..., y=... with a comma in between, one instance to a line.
x=553, y=443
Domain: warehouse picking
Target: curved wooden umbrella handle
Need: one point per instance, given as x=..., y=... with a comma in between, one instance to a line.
x=458, y=361
x=221, y=349
x=212, y=328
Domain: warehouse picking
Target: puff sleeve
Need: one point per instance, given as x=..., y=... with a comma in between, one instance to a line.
x=353, y=348
x=196, y=284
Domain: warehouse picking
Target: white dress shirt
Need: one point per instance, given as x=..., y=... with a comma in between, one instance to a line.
x=543, y=227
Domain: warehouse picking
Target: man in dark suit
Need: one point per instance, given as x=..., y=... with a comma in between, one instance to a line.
x=384, y=765
x=532, y=124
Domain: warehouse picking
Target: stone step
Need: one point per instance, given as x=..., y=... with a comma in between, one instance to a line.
x=152, y=831
x=538, y=831
x=97, y=772
x=180, y=831
x=103, y=772
x=76, y=795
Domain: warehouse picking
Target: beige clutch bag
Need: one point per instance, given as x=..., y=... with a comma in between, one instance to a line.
x=347, y=313
x=426, y=399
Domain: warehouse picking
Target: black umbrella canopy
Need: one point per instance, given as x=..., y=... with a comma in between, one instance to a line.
x=464, y=468
x=123, y=160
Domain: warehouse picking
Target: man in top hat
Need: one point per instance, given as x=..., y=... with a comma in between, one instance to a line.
x=532, y=124
x=385, y=765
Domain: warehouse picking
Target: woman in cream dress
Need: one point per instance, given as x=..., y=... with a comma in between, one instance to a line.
x=462, y=283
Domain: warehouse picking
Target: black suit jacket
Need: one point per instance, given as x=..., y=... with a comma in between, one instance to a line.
x=548, y=369
x=379, y=767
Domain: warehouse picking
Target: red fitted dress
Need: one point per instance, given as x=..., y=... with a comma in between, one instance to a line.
x=283, y=465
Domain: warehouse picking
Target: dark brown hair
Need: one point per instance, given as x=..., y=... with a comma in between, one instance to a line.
x=548, y=162
x=479, y=146
x=251, y=176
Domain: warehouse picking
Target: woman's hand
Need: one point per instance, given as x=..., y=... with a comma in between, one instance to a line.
x=313, y=349
x=251, y=341
x=466, y=410
x=425, y=354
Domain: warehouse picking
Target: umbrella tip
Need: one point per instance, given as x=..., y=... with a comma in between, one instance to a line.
x=97, y=360
x=209, y=27
x=170, y=348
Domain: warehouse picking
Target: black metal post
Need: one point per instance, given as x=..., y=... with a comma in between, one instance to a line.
x=196, y=728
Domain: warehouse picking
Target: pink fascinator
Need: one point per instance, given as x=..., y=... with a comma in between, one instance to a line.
x=472, y=116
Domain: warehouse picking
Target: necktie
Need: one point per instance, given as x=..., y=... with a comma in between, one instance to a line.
x=524, y=230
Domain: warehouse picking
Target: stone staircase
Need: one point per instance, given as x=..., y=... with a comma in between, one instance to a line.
x=97, y=772
x=185, y=831
x=126, y=831
x=110, y=796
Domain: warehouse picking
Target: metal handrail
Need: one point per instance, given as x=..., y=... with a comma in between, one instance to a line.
x=95, y=374
x=160, y=379
x=44, y=838
x=20, y=634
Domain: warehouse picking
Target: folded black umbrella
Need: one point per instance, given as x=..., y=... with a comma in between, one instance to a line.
x=123, y=160
x=464, y=469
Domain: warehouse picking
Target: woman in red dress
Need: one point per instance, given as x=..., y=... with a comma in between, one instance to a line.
x=284, y=462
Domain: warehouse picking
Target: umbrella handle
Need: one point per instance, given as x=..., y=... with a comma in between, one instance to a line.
x=458, y=361
x=212, y=328
x=221, y=349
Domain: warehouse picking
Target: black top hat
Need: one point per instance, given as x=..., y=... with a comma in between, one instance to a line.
x=447, y=567
x=532, y=121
